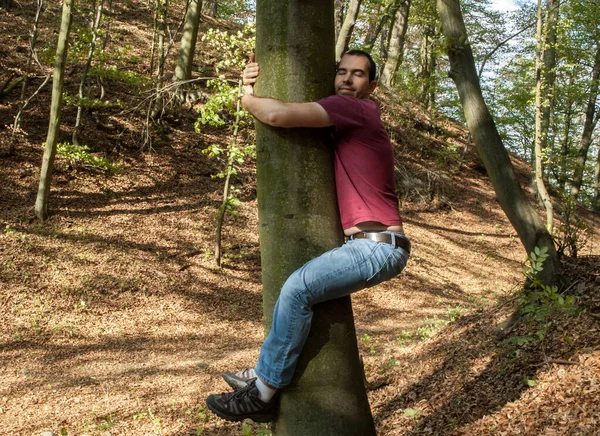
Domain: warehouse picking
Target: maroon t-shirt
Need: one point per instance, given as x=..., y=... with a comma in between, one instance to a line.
x=364, y=162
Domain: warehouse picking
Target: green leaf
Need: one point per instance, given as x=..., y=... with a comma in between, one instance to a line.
x=246, y=429
x=411, y=413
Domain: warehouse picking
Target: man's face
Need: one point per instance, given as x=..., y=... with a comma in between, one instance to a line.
x=352, y=77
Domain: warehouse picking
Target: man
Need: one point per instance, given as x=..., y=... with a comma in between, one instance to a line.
x=377, y=249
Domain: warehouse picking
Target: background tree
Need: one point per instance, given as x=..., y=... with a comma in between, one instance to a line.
x=189, y=36
x=343, y=39
x=94, y=26
x=395, y=51
x=31, y=56
x=519, y=211
x=327, y=395
x=591, y=120
x=544, y=72
x=62, y=46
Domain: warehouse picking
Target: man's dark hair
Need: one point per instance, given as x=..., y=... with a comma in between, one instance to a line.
x=372, y=65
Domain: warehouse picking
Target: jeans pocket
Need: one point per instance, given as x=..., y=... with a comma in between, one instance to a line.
x=391, y=266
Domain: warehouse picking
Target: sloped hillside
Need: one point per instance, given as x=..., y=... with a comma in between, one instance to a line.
x=118, y=322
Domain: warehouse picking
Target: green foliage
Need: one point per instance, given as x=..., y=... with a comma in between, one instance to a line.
x=234, y=49
x=412, y=413
x=90, y=103
x=221, y=107
x=572, y=230
x=81, y=153
x=112, y=73
x=250, y=428
x=426, y=331
x=539, y=300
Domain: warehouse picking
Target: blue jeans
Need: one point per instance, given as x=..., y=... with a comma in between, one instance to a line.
x=358, y=264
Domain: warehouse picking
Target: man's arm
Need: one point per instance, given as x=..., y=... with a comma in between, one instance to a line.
x=276, y=112
x=280, y=114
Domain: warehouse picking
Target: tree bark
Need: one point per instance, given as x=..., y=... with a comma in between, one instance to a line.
x=396, y=45
x=185, y=58
x=545, y=64
x=298, y=218
x=519, y=211
x=94, y=27
x=338, y=16
x=62, y=47
x=565, y=145
x=162, y=10
x=596, y=200
x=588, y=128
x=376, y=22
x=32, y=43
x=343, y=38
x=427, y=94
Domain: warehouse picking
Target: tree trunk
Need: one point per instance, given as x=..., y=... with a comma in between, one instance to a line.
x=94, y=26
x=298, y=218
x=427, y=64
x=588, y=128
x=596, y=200
x=545, y=64
x=566, y=138
x=338, y=16
x=396, y=45
x=519, y=211
x=185, y=59
x=346, y=31
x=62, y=47
x=163, y=7
x=32, y=43
x=375, y=24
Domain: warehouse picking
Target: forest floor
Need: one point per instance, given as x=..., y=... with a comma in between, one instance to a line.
x=117, y=321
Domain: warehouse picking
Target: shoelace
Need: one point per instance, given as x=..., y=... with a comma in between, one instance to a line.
x=240, y=393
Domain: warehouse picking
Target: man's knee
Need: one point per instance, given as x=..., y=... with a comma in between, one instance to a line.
x=294, y=292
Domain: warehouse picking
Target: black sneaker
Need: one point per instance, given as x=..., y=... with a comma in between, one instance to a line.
x=239, y=380
x=242, y=404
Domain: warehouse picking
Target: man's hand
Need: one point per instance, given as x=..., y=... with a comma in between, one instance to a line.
x=250, y=75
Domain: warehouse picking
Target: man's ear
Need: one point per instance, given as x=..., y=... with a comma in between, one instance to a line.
x=372, y=85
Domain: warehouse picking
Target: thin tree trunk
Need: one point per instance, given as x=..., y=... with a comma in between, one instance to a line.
x=346, y=31
x=566, y=141
x=154, y=35
x=94, y=27
x=163, y=6
x=542, y=112
x=375, y=27
x=596, y=201
x=105, y=42
x=32, y=42
x=299, y=219
x=519, y=211
x=396, y=45
x=588, y=128
x=427, y=63
x=338, y=16
x=62, y=46
x=185, y=58
x=232, y=149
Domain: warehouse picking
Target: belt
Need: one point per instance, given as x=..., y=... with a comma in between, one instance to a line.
x=396, y=239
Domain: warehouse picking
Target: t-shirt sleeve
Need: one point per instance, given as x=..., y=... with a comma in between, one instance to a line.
x=345, y=112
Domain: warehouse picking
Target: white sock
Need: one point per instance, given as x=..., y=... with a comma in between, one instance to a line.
x=265, y=393
x=246, y=373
